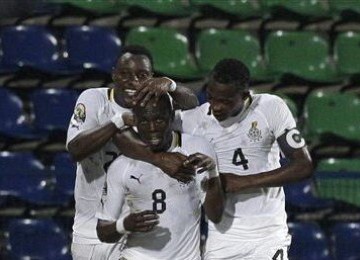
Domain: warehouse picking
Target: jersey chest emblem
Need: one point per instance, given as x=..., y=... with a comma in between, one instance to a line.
x=254, y=133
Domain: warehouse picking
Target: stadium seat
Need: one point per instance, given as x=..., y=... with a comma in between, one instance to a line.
x=53, y=108
x=347, y=52
x=37, y=239
x=300, y=197
x=308, y=242
x=332, y=113
x=26, y=178
x=305, y=8
x=345, y=238
x=214, y=45
x=64, y=170
x=162, y=7
x=95, y=6
x=340, y=6
x=339, y=179
x=32, y=46
x=91, y=47
x=303, y=54
x=169, y=49
x=14, y=123
x=242, y=9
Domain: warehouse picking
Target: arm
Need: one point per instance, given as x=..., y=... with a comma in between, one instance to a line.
x=183, y=97
x=170, y=163
x=90, y=141
x=299, y=168
x=112, y=231
x=214, y=203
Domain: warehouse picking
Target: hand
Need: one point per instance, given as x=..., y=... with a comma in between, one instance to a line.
x=200, y=162
x=128, y=118
x=143, y=221
x=173, y=165
x=153, y=87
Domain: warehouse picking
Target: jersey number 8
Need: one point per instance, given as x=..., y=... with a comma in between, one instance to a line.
x=159, y=205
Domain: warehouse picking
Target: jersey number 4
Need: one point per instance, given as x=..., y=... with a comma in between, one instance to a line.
x=159, y=205
x=239, y=159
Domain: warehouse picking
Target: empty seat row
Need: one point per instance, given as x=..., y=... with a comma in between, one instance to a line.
x=241, y=9
x=51, y=109
x=25, y=178
x=302, y=54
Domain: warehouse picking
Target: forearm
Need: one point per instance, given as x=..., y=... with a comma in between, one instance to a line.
x=215, y=200
x=106, y=231
x=91, y=141
x=293, y=172
x=184, y=98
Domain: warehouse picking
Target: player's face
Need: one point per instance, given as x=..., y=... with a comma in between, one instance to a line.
x=154, y=127
x=225, y=100
x=131, y=70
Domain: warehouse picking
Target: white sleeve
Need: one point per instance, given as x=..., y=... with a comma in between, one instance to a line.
x=279, y=116
x=85, y=114
x=115, y=199
x=189, y=120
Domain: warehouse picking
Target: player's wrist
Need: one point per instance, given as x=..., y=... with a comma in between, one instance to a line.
x=172, y=86
x=120, y=228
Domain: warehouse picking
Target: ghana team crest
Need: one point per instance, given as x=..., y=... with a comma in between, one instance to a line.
x=254, y=133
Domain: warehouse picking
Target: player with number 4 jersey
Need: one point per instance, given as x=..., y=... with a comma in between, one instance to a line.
x=248, y=132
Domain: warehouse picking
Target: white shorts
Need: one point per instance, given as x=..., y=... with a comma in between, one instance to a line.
x=248, y=250
x=101, y=251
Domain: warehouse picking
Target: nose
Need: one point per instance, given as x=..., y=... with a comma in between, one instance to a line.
x=216, y=107
x=152, y=126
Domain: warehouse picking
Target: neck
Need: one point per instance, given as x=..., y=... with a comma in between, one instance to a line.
x=238, y=116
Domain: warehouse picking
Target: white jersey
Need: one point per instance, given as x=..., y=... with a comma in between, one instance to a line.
x=93, y=108
x=246, y=146
x=145, y=187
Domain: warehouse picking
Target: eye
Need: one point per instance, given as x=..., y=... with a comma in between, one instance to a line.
x=159, y=121
x=144, y=75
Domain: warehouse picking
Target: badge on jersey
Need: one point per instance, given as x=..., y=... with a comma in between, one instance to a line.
x=79, y=115
x=254, y=133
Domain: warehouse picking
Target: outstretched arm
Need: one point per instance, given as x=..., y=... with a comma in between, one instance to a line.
x=299, y=167
x=183, y=97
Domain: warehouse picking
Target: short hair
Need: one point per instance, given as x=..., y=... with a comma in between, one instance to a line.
x=137, y=50
x=164, y=104
x=231, y=72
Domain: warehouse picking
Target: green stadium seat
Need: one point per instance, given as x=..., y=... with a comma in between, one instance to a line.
x=98, y=6
x=332, y=113
x=347, y=52
x=339, y=179
x=339, y=6
x=162, y=7
x=243, y=9
x=306, y=8
x=169, y=49
x=216, y=44
x=303, y=54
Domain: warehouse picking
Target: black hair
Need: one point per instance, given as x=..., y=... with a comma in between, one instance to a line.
x=231, y=72
x=137, y=50
x=164, y=104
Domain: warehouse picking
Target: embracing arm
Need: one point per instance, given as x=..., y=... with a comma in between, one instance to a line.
x=91, y=141
x=184, y=98
x=106, y=231
x=299, y=167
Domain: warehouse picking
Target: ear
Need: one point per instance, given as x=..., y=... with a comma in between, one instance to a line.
x=129, y=119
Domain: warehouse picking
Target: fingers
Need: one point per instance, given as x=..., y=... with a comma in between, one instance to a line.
x=145, y=221
x=200, y=162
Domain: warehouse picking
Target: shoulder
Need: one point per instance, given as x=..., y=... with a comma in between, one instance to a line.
x=191, y=144
x=95, y=93
x=268, y=99
x=200, y=110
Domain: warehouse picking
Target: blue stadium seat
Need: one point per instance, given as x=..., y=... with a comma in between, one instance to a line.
x=91, y=47
x=14, y=123
x=300, y=195
x=32, y=46
x=345, y=239
x=53, y=108
x=37, y=239
x=24, y=177
x=65, y=171
x=308, y=242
